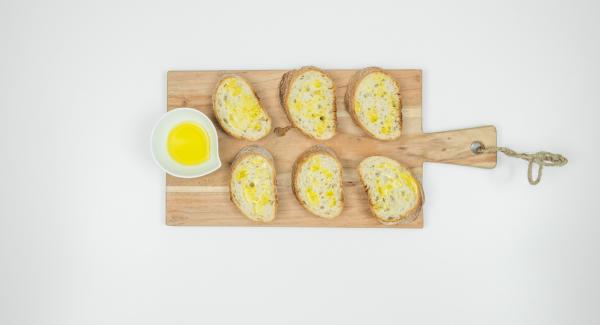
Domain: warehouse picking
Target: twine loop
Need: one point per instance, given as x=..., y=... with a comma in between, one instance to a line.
x=540, y=158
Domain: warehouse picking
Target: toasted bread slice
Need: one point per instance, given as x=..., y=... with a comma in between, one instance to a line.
x=252, y=186
x=317, y=182
x=238, y=109
x=308, y=97
x=395, y=195
x=373, y=100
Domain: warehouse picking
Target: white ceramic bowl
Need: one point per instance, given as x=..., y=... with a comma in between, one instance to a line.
x=160, y=134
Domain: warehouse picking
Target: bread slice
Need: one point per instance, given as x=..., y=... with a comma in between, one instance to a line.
x=317, y=182
x=238, y=109
x=373, y=100
x=252, y=186
x=308, y=97
x=395, y=195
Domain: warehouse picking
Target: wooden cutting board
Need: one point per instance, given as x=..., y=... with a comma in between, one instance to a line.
x=205, y=201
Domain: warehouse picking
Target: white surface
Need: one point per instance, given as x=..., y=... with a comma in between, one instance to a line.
x=82, y=233
x=161, y=131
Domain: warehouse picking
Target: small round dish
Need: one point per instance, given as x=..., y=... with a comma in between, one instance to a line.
x=160, y=134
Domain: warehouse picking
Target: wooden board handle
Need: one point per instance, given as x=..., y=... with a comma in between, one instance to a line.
x=454, y=147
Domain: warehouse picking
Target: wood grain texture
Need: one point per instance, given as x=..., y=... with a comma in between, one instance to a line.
x=205, y=201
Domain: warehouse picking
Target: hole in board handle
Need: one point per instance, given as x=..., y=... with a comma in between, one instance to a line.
x=477, y=147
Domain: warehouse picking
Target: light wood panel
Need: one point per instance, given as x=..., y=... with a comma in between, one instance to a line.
x=205, y=201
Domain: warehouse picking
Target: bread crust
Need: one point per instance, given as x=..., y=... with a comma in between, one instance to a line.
x=349, y=98
x=287, y=80
x=254, y=150
x=410, y=215
x=303, y=158
x=219, y=117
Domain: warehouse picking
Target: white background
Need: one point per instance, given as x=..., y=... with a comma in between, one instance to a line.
x=82, y=232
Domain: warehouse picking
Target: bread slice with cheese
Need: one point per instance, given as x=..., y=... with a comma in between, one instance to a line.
x=317, y=182
x=373, y=100
x=252, y=186
x=238, y=109
x=395, y=195
x=308, y=97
